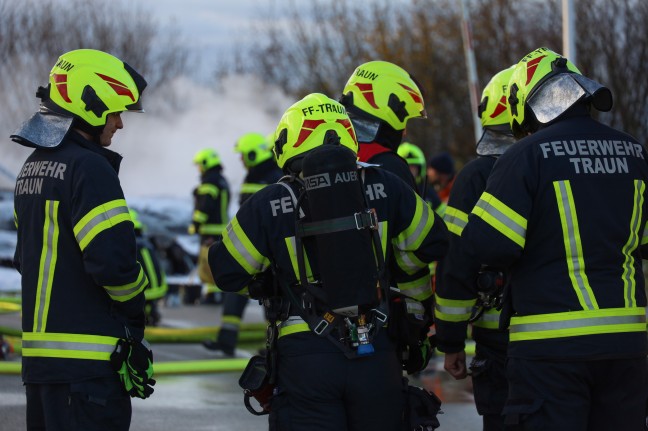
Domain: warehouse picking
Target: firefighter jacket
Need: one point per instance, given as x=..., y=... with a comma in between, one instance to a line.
x=377, y=154
x=211, y=201
x=456, y=288
x=263, y=234
x=258, y=177
x=412, y=280
x=565, y=209
x=147, y=257
x=81, y=283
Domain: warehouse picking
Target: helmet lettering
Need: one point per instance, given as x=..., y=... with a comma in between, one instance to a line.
x=323, y=108
x=366, y=74
x=65, y=65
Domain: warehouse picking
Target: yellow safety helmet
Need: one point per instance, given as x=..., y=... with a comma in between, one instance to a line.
x=309, y=123
x=254, y=147
x=384, y=91
x=493, y=109
x=414, y=156
x=534, y=84
x=137, y=223
x=206, y=158
x=91, y=84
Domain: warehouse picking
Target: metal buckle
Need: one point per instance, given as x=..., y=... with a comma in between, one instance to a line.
x=379, y=315
x=366, y=219
x=321, y=326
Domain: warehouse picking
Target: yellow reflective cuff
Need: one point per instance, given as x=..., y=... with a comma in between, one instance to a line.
x=242, y=250
x=99, y=219
x=577, y=323
x=292, y=325
x=502, y=218
x=456, y=220
x=453, y=310
x=408, y=262
x=208, y=189
x=419, y=289
x=128, y=291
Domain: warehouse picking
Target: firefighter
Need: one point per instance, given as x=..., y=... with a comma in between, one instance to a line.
x=82, y=287
x=318, y=385
x=415, y=159
x=465, y=292
x=148, y=258
x=576, y=303
x=380, y=98
x=441, y=175
x=211, y=203
x=258, y=159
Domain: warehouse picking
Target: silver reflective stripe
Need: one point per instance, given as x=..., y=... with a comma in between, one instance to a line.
x=101, y=217
x=573, y=233
x=407, y=243
x=242, y=251
x=501, y=217
x=48, y=248
x=294, y=198
x=68, y=345
x=116, y=292
x=290, y=321
x=575, y=323
x=457, y=311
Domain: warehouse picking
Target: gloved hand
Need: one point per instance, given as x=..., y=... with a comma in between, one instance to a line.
x=133, y=361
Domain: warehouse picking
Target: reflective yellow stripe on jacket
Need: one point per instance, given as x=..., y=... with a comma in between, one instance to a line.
x=412, y=237
x=456, y=220
x=157, y=288
x=242, y=250
x=576, y=323
x=124, y=292
x=47, y=267
x=99, y=219
x=72, y=346
x=502, y=218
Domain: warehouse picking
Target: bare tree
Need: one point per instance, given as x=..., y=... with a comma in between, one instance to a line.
x=326, y=40
x=33, y=33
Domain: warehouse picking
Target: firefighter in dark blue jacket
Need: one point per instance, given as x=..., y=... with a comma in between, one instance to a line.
x=577, y=304
x=256, y=155
x=148, y=258
x=350, y=375
x=82, y=287
x=211, y=203
x=466, y=292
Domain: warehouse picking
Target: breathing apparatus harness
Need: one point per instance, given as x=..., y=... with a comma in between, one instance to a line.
x=357, y=326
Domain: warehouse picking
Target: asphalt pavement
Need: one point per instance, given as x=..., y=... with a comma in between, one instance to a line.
x=196, y=402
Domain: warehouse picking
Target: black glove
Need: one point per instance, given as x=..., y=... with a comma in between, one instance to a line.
x=133, y=361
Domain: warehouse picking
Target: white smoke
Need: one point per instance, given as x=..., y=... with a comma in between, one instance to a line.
x=158, y=146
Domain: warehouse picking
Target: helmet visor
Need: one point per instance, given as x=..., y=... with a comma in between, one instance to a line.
x=365, y=129
x=494, y=142
x=555, y=96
